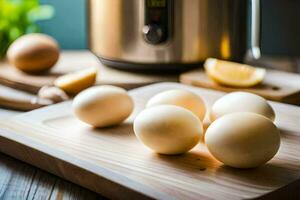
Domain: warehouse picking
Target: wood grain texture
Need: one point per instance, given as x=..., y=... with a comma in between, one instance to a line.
x=277, y=86
x=71, y=61
x=21, y=181
x=112, y=162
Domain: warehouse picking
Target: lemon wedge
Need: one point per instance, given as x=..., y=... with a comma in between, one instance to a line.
x=233, y=74
x=75, y=82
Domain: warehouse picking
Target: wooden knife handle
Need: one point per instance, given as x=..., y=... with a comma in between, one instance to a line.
x=23, y=105
x=19, y=85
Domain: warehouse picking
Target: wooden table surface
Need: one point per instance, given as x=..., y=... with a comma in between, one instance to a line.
x=22, y=181
x=19, y=180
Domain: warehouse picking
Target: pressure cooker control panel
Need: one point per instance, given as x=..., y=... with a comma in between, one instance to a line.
x=158, y=14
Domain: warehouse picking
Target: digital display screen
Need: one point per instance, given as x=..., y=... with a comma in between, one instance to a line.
x=156, y=3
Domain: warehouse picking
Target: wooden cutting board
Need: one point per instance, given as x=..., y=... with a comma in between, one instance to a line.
x=72, y=61
x=277, y=85
x=111, y=161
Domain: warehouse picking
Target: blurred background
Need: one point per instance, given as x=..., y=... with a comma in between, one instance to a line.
x=280, y=25
x=69, y=24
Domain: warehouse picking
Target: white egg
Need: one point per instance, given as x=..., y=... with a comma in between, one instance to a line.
x=182, y=98
x=241, y=102
x=102, y=106
x=243, y=140
x=168, y=129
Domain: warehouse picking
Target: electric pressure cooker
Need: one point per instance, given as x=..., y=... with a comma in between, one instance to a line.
x=172, y=34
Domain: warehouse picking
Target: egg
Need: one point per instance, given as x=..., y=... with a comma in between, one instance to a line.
x=243, y=140
x=168, y=129
x=102, y=106
x=241, y=102
x=33, y=53
x=182, y=98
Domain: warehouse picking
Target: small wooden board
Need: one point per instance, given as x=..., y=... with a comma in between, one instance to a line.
x=111, y=161
x=277, y=86
x=75, y=60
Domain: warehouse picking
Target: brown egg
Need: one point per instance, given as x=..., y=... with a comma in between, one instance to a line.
x=33, y=53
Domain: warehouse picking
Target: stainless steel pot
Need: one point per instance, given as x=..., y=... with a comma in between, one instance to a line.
x=171, y=34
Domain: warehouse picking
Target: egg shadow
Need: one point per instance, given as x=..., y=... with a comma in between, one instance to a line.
x=124, y=129
x=275, y=173
x=290, y=142
x=190, y=161
x=266, y=176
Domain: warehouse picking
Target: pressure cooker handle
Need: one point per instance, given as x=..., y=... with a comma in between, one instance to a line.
x=255, y=28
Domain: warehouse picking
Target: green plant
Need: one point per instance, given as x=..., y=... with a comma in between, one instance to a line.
x=19, y=17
